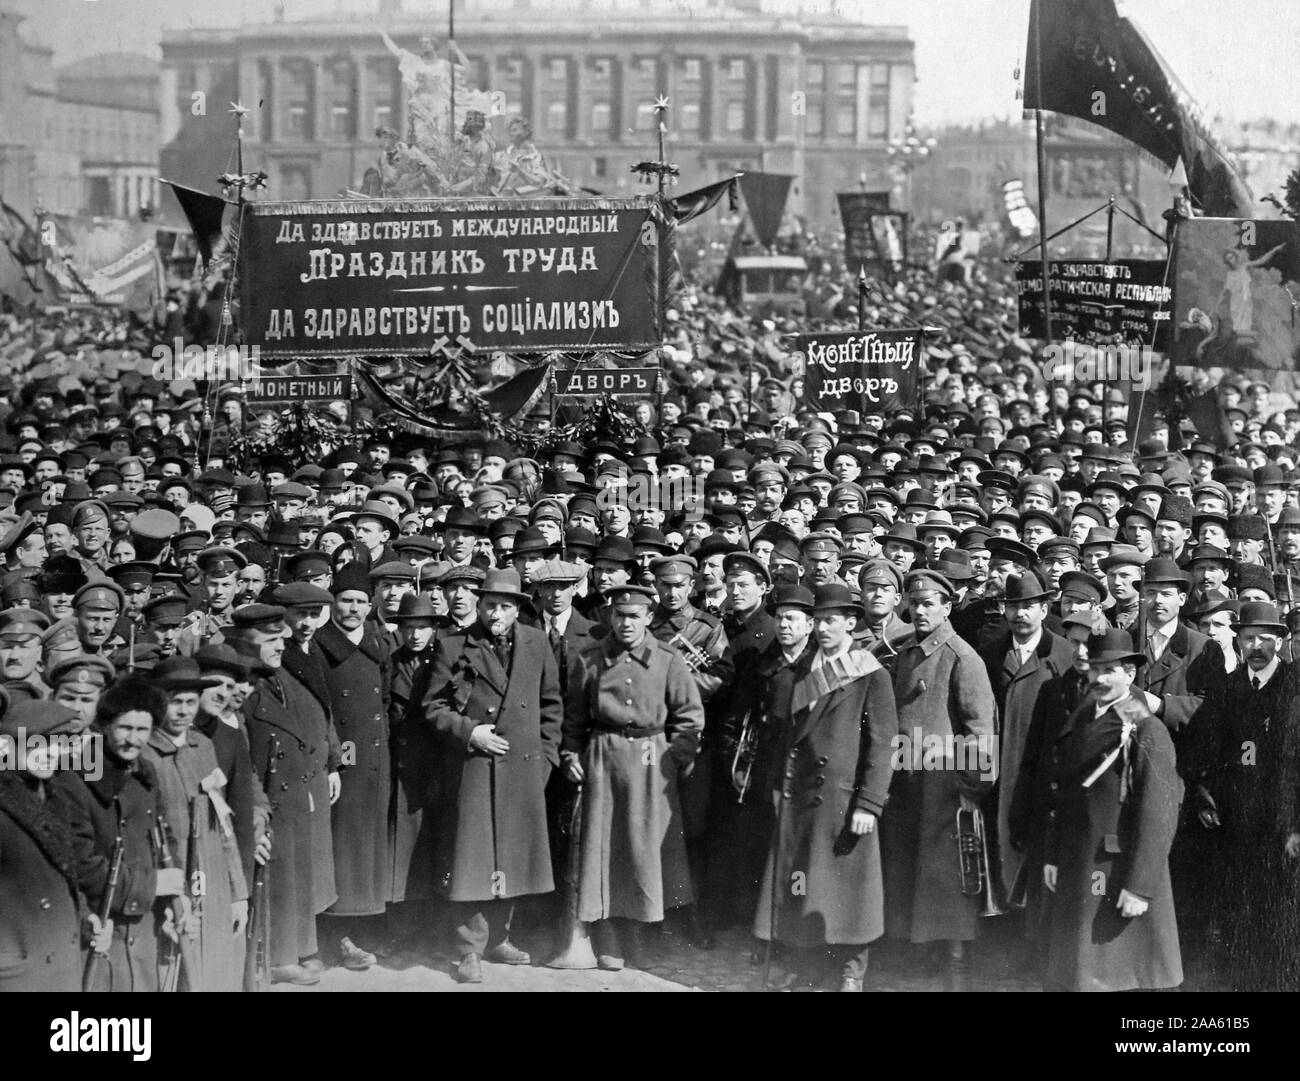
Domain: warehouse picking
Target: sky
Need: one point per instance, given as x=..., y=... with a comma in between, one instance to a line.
x=1238, y=58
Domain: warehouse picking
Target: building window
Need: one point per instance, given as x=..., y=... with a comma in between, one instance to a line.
x=848, y=77
x=816, y=74
x=691, y=69
x=599, y=167
x=688, y=117
x=341, y=120
x=814, y=121
x=601, y=68
x=600, y=117
x=297, y=120
x=877, y=121
x=845, y=120
x=649, y=67
x=735, y=122
x=557, y=115
x=511, y=67
x=559, y=68
x=879, y=74
x=645, y=116
x=737, y=70
x=383, y=116
x=295, y=183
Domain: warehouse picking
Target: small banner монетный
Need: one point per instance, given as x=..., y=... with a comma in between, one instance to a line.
x=1098, y=303
x=871, y=371
x=341, y=278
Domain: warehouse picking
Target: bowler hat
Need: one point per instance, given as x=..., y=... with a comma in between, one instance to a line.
x=1113, y=645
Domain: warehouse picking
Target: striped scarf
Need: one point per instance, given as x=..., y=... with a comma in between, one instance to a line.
x=830, y=677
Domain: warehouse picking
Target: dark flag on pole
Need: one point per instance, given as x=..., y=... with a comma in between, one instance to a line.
x=678, y=211
x=1101, y=68
x=203, y=212
x=765, y=195
x=1207, y=413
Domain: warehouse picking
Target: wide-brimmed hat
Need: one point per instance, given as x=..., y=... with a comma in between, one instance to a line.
x=502, y=583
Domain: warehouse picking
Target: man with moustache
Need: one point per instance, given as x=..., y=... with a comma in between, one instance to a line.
x=358, y=671
x=837, y=750
x=942, y=690
x=496, y=711
x=1113, y=822
x=1019, y=664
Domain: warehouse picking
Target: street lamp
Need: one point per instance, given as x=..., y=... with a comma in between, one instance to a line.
x=908, y=152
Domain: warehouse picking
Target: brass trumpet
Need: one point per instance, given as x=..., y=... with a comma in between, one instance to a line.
x=973, y=860
x=697, y=660
x=742, y=764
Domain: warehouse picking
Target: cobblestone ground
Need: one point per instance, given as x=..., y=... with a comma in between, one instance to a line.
x=1000, y=963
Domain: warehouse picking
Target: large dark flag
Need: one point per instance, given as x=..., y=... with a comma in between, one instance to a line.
x=765, y=195
x=678, y=211
x=203, y=212
x=1101, y=68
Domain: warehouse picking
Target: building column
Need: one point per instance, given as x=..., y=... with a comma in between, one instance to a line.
x=758, y=91
x=274, y=111
x=248, y=95
x=362, y=121
x=579, y=124
x=318, y=106
x=712, y=115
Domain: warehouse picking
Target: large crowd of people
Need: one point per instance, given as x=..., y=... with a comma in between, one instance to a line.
x=824, y=678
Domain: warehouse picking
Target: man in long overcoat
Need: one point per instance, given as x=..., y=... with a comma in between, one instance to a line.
x=632, y=723
x=289, y=731
x=1019, y=663
x=944, y=702
x=358, y=671
x=1118, y=795
x=835, y=765
x=495, y=708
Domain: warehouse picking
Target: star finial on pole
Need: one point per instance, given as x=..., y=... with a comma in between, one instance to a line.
x=236, y=109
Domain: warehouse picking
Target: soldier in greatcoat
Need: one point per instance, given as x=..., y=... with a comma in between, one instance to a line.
x=495, y=708
x=1118, y=795
x=943, y=699
x=289, y=727
x=632, y=723
x=831, y=785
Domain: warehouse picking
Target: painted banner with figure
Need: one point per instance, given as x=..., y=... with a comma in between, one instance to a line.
x=344, y=278
x=1098, y=303
x=1237, y=294
x=871, y=371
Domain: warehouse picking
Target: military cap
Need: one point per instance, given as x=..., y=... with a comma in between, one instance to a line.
x=1059, y=544
x=767, y=473
x=84, y=669
x=723, y=516
x=673, y=568
x=881, y=572
x=300, y=594
x=60, y=634
x=125, y=500
x=155, y=524
x=141, y=657
x=219, y=561
x=820, y=542
x=637, y=596
x=547, y=508
x=394, y=568
x=740, y=562
x=32, y=717
x=21, y=624
x=463, y=572
x=996, y=478
x=1047, y=518
x=928, y=581
x=1011, y=551
x=169, y=610
x=263, y=617
x=309, y=564
x=853, y=523
x=1084, y=585
x=101, y=595
x=1040, y=486
x=415, y=545
x=222, y=657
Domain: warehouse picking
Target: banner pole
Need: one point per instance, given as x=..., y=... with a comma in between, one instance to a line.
x=862, y=297
x=1042, y=200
